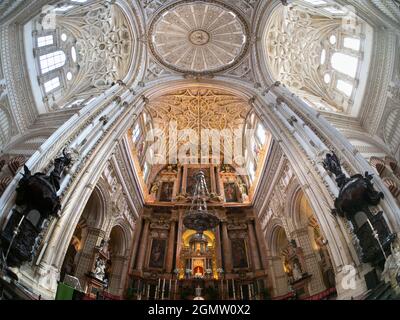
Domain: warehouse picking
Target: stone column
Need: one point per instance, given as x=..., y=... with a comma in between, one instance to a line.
x=221, y=186
x=280, y=277
x=261, y=244
x=310, y=259
x=117, y=275
x=171, y=245
x=218, y=247
x=218, y=181
x=253, y=246
x=143, y=245
x=138, y=232
x=179, y=236
x=212, y=177
x=227, y=248
x=177, y=186
x=86, y=258
x=184, y=179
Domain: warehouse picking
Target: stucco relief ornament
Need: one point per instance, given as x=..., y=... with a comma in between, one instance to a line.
x=182, y=197
x=155, y=187
x=215, y=197
x=198, y=38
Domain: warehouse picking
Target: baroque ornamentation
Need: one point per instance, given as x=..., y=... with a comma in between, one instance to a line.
x=198, y=109
x=356, y=194
x=37, y=201
x=298, y=54
x=104, y=48
x=202, y=37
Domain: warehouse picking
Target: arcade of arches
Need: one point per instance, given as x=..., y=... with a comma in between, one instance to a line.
x=274, y=122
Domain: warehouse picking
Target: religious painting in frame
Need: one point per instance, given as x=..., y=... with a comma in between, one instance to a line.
x=230, y=192
x=239, y=253
x=157, y=253
x=166, y=191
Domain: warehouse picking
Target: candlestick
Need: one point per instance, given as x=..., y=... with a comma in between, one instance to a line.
x=158, y=289
x=176, y=283
x=370, y=224
x=376, y=236
x=163, y=290
x=222, y=288
x=15, y=234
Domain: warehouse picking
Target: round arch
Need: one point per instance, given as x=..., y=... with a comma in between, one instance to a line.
x=279, y=241
x=311, y=180
x=118, y=241
x=246, y=92
x=271, y=235
x=94, y=211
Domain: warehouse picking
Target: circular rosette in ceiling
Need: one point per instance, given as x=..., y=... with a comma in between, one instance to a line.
x=198, y=37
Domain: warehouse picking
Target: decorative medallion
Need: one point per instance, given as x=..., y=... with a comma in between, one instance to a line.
x=198, y=37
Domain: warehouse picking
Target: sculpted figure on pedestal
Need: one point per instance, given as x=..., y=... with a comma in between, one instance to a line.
x=356, y=195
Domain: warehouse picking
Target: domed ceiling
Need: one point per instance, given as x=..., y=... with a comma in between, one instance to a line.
x=198, y=37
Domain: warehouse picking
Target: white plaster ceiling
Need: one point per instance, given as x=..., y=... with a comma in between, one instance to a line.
x=198, y=37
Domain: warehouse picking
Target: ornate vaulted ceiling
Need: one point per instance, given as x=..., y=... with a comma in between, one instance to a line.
x=103, y=43
x=198, y=109
x=198, y=37
x=254, y=41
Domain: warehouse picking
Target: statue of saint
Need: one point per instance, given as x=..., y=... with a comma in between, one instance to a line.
x=154, y=188
x=391, y=271
x=100, y=269
x=297, y=273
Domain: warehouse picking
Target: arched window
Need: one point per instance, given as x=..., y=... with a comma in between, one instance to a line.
x=52, y=84
x=261, y=133
x=352, y=43
x=66, y=49
x=74, y=104
x=345, y=64
x=73, y=54
x=136, y=132
x=45, y=41
x=345, y=87
x=327, y=46
x=145, y=171
x=63, y=8
x=252, y=170
x=51, y=61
